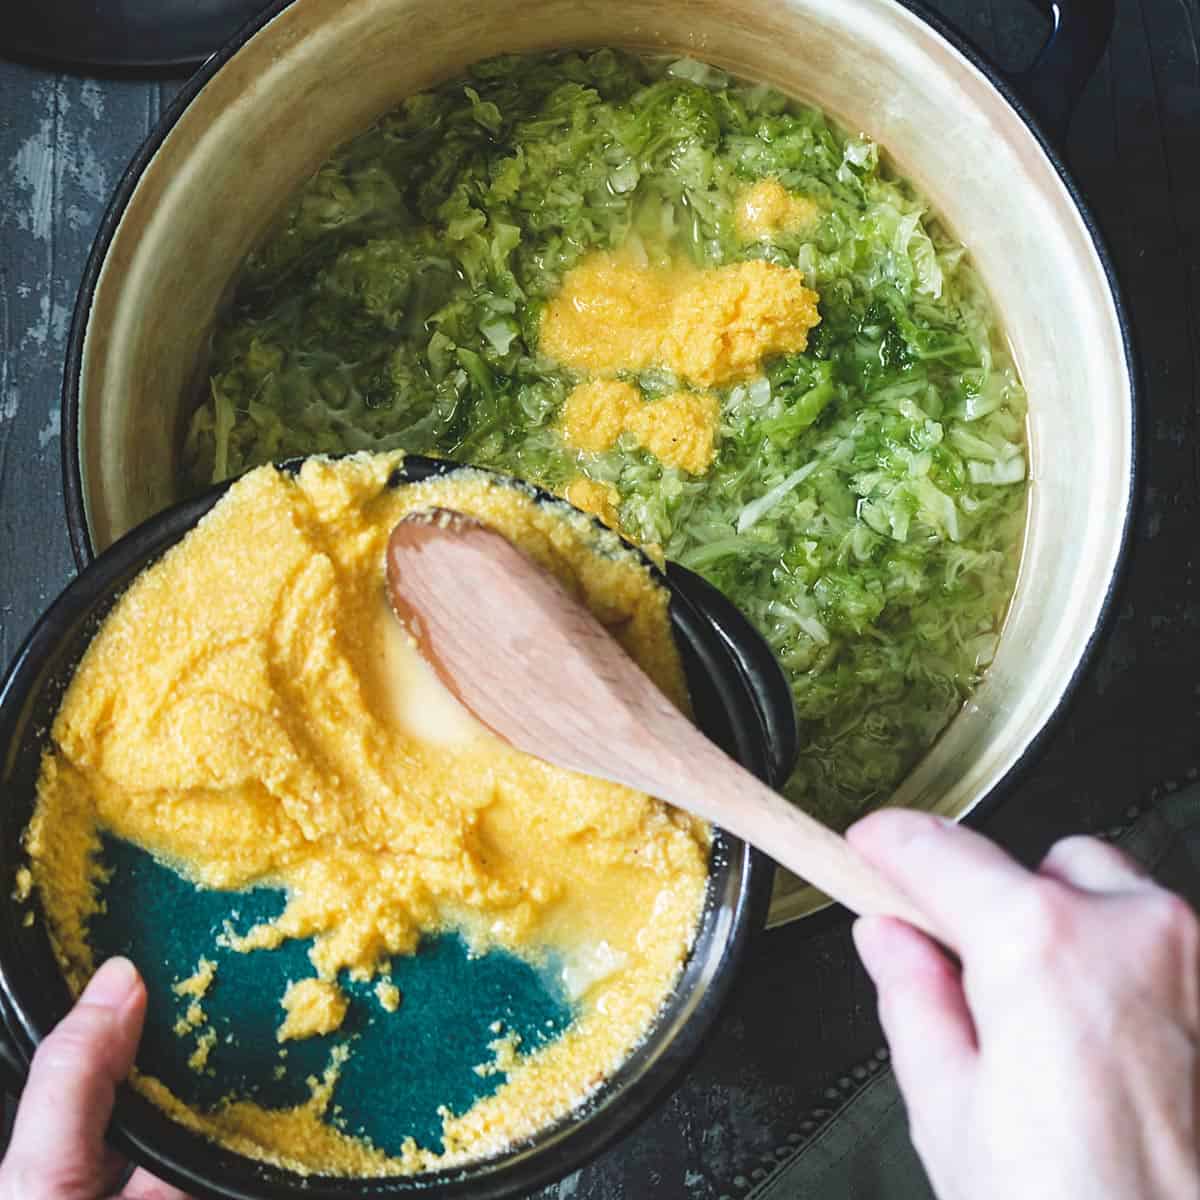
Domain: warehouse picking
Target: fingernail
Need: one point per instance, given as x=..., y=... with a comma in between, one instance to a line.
x=114, y=985
x=865, y=932
x=910, y=826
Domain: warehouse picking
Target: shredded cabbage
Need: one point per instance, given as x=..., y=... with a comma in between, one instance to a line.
x=750, y=514
x=866, y=503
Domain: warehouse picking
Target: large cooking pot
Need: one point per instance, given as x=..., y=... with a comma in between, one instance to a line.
x=264, y=113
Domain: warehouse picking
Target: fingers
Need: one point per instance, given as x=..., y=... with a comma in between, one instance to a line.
x=963, y=881
x=57, y=1150
x=924, y=1015
x=1093, y=866
x=143, y=1186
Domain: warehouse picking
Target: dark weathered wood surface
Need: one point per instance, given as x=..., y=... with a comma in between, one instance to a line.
x=802, y=1018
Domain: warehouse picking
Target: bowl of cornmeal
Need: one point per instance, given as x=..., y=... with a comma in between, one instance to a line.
x=385, y=951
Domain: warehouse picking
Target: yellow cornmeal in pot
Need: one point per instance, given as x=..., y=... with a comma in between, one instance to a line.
x=620, y=312
x=767, y=207
x=709, y=326
x=252, y=713
x=678, y=429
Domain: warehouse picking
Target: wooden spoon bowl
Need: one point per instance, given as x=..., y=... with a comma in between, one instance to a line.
x=538, y=668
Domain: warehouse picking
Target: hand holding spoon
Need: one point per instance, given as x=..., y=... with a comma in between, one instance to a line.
x=538, y=669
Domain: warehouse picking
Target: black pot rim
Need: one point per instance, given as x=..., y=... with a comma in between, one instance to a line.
x=574, y=1143
x=84, y=552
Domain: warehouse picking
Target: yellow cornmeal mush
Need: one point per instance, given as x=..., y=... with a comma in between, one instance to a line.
x=618, y=313
x=599, y=499
x=708, y=326
x=251, y=712
x=767, y=208
x=678, y=429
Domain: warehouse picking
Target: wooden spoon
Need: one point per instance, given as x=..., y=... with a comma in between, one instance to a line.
x=538, y=669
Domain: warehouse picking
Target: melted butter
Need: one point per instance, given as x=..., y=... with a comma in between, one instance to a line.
x=417, y=701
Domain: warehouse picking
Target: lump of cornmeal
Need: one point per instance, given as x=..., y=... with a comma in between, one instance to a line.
x=198, y=983
x=313, y=1006
x=767, y=207
x=599, y=499
x=678, y=430
x=252, y=713
x=708, y=326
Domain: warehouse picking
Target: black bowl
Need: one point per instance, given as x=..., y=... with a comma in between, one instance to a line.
x=741, y=700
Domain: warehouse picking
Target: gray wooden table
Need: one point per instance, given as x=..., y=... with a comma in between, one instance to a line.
x=801, y=1029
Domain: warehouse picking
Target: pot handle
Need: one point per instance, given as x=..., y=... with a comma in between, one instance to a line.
x=1052, y=86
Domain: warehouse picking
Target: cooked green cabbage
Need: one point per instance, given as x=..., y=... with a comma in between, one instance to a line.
x=866, y=504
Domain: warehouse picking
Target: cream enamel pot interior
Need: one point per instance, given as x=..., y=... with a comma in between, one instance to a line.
x=267, y=111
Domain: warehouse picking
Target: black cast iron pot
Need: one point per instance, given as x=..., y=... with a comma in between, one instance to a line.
x=740, y=699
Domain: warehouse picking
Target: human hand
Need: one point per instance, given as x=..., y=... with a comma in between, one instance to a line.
x=1062, y=1060
x=58, y=1150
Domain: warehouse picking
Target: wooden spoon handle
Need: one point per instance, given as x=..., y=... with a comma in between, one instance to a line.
x=584, y=704
x=823, y=858
x=704, y=779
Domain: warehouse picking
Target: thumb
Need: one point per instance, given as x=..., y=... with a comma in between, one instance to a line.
x=925, y=1018
x=57, y=1150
